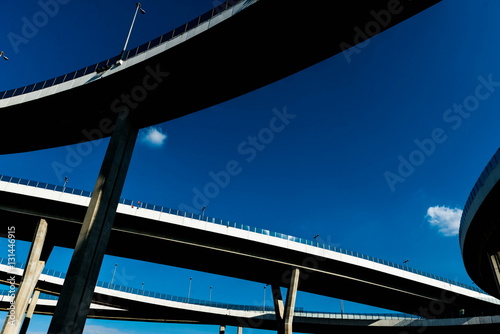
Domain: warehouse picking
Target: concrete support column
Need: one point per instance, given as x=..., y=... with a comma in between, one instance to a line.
x=279, y=307
x=76, y=294
x=495, y=267
x=222, y=329
x=284, y=313
x=28, y=282
x=291, y=297
x=29, y=314
x=240, y=330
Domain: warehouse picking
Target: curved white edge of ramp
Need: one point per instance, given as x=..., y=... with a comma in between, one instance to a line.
x=164, y=46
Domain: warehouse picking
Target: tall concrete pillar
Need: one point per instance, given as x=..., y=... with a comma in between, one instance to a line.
x=29, y=314
x=222, y=329
x=28, y=282
x=495, y=267
x=240, y=330
x=291, y=297
x=285, y=313
x=76, y=294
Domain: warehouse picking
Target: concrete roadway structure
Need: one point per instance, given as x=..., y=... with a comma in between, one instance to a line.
x=243, y=48
x=480, y=231
x=122, y=303
x=153, y=236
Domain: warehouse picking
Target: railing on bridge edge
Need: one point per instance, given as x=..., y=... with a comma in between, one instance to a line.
x=185, y=300
x=129, y=54
x=163, y=209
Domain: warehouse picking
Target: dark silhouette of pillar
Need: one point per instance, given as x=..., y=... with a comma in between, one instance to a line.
x=76, y=294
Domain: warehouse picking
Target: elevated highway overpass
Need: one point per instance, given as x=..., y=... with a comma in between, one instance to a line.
x=242, y=45
x=230, y=249
x=479, y=229
x=115, y=302
x=256, y=37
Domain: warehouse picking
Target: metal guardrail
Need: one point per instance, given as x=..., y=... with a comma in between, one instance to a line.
x=129, y=54
x=163, y=209
x=141, y=292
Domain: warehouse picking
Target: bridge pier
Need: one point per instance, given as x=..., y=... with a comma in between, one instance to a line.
x=495, y=266
x=285, y=313
x=76, y=294
x=28, y=283
x=29, y=314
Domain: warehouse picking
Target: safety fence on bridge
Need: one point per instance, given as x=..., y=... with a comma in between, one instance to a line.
x=202, y=217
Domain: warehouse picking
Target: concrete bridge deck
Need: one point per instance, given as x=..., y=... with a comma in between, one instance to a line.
x=242, y=44
x=259, y=255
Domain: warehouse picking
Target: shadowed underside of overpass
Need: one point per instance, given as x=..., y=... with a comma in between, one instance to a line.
x=261, y=44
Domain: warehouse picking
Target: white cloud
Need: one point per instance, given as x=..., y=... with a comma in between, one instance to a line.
x=153, y=136
x=96, y=329
x=447, y=220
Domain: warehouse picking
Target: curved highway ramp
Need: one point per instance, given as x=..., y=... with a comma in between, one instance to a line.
x=242, y=45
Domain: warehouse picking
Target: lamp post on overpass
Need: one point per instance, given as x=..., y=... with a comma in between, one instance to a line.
x=138, y=7
x=316, y=239
x=114, y=272
x=189, y=288
x=264, y=306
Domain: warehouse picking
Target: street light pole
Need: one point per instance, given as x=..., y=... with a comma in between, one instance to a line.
x=189, y=289
x=264, y=307
x=137, y=8
x=316, y=238
x=114, y=272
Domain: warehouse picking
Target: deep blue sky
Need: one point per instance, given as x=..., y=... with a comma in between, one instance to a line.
x=426, y=92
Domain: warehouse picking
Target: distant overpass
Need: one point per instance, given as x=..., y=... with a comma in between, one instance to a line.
x=242, y=45
x=115, y=302
x=259, y=255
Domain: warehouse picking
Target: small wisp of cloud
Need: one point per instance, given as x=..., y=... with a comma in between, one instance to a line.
x=153, y=137
x=447, y=220
x=97, y=329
